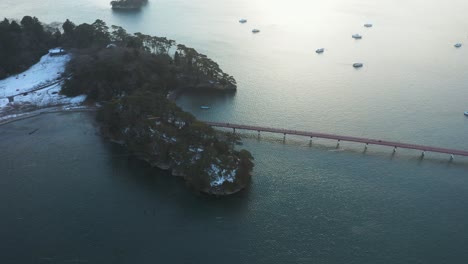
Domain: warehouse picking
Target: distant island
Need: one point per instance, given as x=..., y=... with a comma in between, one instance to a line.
x=128, y=4
x=129, y=76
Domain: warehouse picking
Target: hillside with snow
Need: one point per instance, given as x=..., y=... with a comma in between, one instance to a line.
x=39, y=86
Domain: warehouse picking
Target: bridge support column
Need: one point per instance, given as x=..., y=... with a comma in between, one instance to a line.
x=284, y=137
x=452, y=157
x=394, y=149
x=234, y=130
x=367, y=145
x=310, y=142
x=258, y=135
x=423, y=154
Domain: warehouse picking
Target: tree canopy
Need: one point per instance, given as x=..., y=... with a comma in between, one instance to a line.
x=22, y=44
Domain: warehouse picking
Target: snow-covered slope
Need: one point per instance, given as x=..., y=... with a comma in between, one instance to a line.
x=48, y=69
x=22, y=88
x=49, y=96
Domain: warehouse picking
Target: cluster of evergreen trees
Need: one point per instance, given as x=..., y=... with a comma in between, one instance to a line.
x=23, y=43
x=156, y=130
x=192, y=69
x=111, y=73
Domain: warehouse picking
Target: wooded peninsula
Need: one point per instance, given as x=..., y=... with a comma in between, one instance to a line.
x=130, y=76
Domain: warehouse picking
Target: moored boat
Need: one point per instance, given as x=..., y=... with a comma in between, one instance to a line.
x=255, y=30
x=466, y=113
x=320, y=50
x=204, y=107
x=357, y=65
x=243, y=21
x=458, y=45
x=357, y=36
x=368, y=25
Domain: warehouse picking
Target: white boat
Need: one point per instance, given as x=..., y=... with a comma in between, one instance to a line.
x=255, y=30
x=320, y=50
x=357, y=36
x=368, y=25
x=204, y=107
x=458, y=45
x=357, y=65
x=466, y=113
x=243, y=21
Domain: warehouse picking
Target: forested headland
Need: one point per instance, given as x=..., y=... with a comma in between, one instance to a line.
x=130, y=75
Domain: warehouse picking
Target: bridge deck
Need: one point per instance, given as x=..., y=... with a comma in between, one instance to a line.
x=341, y=138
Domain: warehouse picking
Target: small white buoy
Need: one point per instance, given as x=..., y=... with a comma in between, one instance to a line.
x=358, y=65
x=357, y=36
x=319, y=51
x=458, y=45
x=243, y=21
x=255, y=30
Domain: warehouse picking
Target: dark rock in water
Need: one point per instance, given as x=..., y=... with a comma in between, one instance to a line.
x=128, y=4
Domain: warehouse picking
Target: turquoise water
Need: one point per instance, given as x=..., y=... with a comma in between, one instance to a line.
x=67, y=194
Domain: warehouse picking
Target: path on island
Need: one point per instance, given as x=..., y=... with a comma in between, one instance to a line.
x=339, y=138
x=10, y=118
x=38, y=88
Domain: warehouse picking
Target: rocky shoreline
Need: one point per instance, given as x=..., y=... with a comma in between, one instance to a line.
x=166, y=166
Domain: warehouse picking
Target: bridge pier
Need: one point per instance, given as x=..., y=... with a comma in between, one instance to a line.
x=284, y=137
x=258, y=135
x=423, y=154
x=310, y=142
x=394, y=149
x=452, y=157
x=367, y=145
x=234, y=130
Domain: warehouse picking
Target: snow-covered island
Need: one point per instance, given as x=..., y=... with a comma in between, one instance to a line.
x=38, y=87
x=129, y=76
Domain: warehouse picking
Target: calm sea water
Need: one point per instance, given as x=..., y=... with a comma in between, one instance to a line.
x=67, y=195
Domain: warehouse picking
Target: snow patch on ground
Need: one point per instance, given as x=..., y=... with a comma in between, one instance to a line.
x=219, y=176
x=23, y=87
x=3, y=102
x=48, y=69
x=48, y=96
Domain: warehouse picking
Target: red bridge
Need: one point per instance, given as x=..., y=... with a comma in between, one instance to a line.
x=366, y=141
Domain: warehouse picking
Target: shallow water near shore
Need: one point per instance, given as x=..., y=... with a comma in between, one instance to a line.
x=66, y=194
